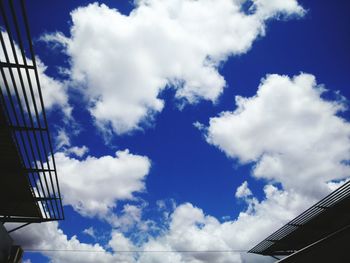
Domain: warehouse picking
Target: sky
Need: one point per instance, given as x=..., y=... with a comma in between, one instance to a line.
x=183, y=125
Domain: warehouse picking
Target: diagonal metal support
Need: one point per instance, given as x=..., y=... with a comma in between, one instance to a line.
x=19, y=227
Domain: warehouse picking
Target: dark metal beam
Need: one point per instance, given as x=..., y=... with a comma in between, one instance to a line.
x=14, y=65
x=19, y=227
x=332, y=248
x=27, y=220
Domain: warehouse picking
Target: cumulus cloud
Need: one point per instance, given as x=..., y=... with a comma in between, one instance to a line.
x=187, y=234
x=291, y=134
x=287, y=120
x=190, y=229
x=48, y=236
x=93, y=185
x=123, y=62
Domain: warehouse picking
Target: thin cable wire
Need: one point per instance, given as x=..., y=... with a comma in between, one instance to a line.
x=136, y=251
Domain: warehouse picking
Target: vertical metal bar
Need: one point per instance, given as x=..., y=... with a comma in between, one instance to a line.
x=41, y=98
x=3, y=105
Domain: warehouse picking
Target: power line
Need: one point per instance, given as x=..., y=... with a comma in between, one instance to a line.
x=136, y=251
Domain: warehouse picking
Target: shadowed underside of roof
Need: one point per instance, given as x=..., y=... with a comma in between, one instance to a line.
x=16, y=198
x=333, y=248
x=326, y=217
x=29, y=190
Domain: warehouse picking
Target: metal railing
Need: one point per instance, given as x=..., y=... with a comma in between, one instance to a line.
x=22, y=102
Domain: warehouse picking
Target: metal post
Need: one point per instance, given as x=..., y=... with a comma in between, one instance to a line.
x=6, y=243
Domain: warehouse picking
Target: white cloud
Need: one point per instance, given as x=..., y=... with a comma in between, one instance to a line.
x=187, y=229
x=129, y=217
x=291, y=134
x=191, y=230
x=93, y=185
x=54, y=92
x=48, y=236
x=124, y=62
x=288, y=120
x=77, y=151
x=62, y=139
x=199, y=126
x=120, y=243
x=243, y=190
x=90, y=232
x=271, y=8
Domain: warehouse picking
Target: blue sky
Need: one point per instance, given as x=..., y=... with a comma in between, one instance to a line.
x=203, y=170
